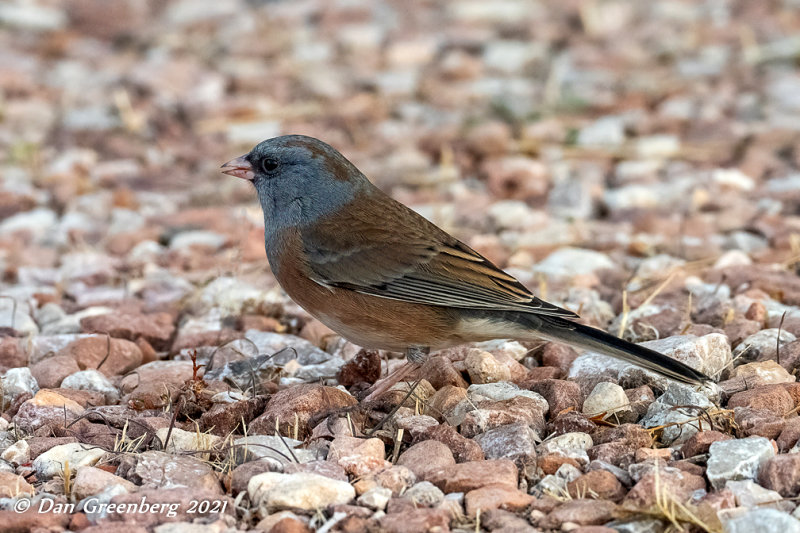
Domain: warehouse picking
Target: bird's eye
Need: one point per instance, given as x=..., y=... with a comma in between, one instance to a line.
x=269, y=164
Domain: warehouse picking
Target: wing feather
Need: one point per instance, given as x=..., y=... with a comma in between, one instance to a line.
x=408, y=258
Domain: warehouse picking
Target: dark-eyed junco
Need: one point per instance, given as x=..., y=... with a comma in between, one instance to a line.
x=384, y=277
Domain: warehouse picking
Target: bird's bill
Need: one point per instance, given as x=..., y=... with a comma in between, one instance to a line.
x=239, y=167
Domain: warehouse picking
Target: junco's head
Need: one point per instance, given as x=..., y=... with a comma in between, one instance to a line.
x=298, y=178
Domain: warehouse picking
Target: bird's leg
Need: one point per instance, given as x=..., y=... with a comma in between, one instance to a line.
x=417, y=354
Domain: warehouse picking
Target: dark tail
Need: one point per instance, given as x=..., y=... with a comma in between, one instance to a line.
x=562, y=330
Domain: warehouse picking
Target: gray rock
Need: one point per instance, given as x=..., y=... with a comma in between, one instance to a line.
x=17, y=453
x=570, y=262
x=511, y=57
x=607, y=398
x=16, y=316
x=96, y=505
x=623, y=476
x=94, y=381
x=572, y=445
x=18, y=381
x=750, y=494
x=648, y=525
x=671, y=408
x=276, y=450
x=375, y=498
x=761, y=345
x=503, y=390
x=737, y=459
x=605, y=131
x=272, y=491
x=159, y=470
x=52, y=462
x=32, y=16
x=516, y=442
x=708, y=354
x=424, y=493
x=763, y=520
x=204, y=239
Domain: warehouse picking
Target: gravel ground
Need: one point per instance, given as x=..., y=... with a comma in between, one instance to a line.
x=635, y=162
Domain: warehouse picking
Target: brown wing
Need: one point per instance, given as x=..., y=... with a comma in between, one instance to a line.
x=392, y=252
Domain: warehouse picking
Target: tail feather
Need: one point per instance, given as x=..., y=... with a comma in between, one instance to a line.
x=599, y=341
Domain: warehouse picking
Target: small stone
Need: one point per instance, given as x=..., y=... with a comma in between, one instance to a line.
x=670, y=409
x=763, y=520
x=279, y=451
x=505, y=391
x=50, y=372
x=14, y=486
x=296, y=405
x=110, y=356
x=274, y=491
x=781, y=474
x=758, y=422
x=560, y=394
x=790, y=434
x=365, y=367
x=92, y=380
x=47, y=410
x=496, y=497
x=157, y=329
x=567, y=442
x=181, y=441
x=748, y=493
x=700, y=442
x=375, y=498
x=422, y=519
x=440, y=372
x=519, y=178
x=424, y=494
x=599, y=484
x=679, y=485
x=90, y=481
x=551, y=462
x=490, y=415
x=607, y=399
x=158, y=470
x=762, y=345
x=56, y=460
x=465, y=477
x=737, y=459
x=709, y=354
x=17, y=454
x=773, y=398
x=358, y=456
x=444, y=405
x=463, y=449
x=516, y=442
x=484, y=368
x=425, y=457
x=16, y=382
x=572, y=262
x=762, y=373
x=581, y=512
x=606, y=131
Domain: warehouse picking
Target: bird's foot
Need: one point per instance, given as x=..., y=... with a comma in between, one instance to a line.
x=417, y=354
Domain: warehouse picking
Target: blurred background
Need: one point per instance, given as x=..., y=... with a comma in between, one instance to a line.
x=623, y=129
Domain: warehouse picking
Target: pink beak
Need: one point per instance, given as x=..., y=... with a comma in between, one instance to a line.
x=239, y=167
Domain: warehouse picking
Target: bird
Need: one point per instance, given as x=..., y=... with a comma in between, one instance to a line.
x=384, y=277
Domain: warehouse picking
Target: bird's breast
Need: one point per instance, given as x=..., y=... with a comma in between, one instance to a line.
x=369, y=321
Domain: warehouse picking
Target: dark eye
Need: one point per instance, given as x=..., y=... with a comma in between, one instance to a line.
x=269, y=164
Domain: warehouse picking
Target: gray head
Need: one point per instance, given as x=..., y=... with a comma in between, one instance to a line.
x=298, y=179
